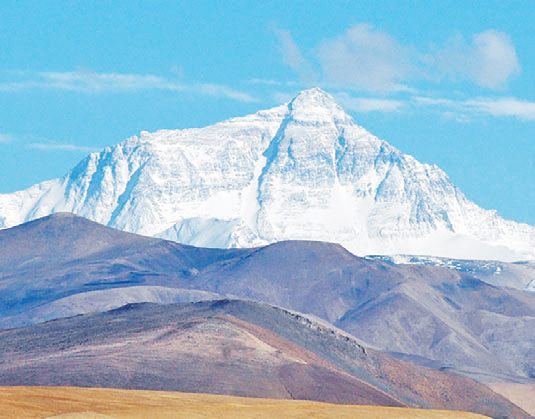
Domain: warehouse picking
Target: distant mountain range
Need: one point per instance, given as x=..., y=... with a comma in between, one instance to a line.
x=64, y=265
x=303, y=170
x=519, y=275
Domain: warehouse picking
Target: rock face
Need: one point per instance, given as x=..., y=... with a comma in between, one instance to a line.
x=229, y=347
x=303, y=170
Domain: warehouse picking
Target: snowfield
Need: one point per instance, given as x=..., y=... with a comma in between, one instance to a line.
x=303, y=170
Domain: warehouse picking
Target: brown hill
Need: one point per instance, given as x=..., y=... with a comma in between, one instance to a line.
x=229, y=347
x=64, y=265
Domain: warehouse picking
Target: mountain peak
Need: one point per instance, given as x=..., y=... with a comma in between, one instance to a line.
x=318, y=105
x=314, y=97
x=302, y=170
x=314, y=94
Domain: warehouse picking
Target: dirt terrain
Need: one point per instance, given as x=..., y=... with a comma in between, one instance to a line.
x=229, y=347
x=522, y=395
x=89, y=403
x=64, y=265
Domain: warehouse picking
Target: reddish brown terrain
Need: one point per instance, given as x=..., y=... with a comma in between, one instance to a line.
x=64, y=265
x=229, y=347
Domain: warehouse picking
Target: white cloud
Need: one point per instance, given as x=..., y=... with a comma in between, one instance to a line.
x=490, y=61
x=216, y=90
x=6, y=138
x=14, y=86
x=92, y=82
x=433, y=101
x=520, y=109
x=370, y=59
x=53, y=146
x=497, y=107
x=495, y=59
x=368, y=104
x=270, y=82
x=366, y=58
x=292, y=56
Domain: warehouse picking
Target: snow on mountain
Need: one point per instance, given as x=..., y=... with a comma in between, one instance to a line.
x=518, y=275
x=303, y=170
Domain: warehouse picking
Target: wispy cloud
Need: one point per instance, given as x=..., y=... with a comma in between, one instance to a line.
x=521, y=109
x=37, y=143
x=366, y=58
x=497, y=107
x=490, y=60
x=93, y=83
x=292, y=56
x=369, y=104
x=54, y=146
x=216, y=90
x=433, y=101
x=6, y=138
x=270, y=82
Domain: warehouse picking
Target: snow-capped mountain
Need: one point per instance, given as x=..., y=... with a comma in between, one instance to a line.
x=303, y=170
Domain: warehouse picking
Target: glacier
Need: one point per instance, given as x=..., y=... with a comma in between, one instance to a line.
x=302, y=170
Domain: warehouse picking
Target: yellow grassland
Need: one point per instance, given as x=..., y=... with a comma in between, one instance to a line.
x=90, y=403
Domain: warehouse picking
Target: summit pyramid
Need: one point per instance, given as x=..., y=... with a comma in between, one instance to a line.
x=302, y=170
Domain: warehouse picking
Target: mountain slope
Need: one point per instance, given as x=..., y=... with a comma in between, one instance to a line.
x=229, y=347
x=433, y=315
x=304, y=170
x=519, y=275
x=57, y=265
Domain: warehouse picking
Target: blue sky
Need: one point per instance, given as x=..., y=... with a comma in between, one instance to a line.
x=450, y=82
